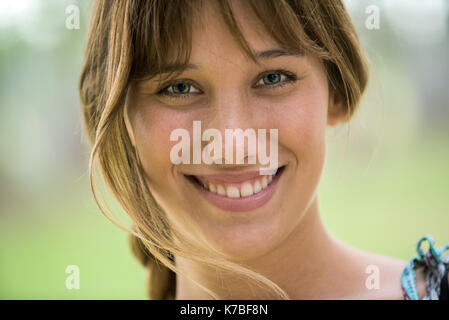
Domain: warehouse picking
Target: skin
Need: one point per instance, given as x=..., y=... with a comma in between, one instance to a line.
x=285, y=239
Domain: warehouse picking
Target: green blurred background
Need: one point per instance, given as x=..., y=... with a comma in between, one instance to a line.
x=385, y=184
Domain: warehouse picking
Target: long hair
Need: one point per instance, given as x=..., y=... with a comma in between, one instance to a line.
x=130, y=40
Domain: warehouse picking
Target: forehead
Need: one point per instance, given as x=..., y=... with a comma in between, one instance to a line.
x=212, y=38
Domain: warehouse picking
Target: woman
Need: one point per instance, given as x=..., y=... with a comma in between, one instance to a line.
x=217, y=227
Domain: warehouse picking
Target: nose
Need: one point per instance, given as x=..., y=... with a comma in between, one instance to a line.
x=231, y=114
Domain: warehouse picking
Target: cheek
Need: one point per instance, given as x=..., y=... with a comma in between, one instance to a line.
x=152, y=127
x=301, y=120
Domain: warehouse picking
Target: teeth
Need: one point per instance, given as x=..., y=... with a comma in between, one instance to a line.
x=220, y=190
x=257, y=187
x=264, y=182
x=245, y=190
x=232, y=192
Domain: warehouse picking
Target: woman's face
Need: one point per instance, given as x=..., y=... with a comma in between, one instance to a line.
x=224, y=89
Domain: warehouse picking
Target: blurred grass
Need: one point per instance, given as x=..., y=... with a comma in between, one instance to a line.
x=34, y=254
x=388, y=206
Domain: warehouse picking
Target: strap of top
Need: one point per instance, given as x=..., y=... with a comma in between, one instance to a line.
x=435, y=265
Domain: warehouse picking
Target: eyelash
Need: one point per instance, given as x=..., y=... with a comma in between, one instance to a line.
x=290, y=78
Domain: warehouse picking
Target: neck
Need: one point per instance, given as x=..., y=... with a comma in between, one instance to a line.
x=303, y=264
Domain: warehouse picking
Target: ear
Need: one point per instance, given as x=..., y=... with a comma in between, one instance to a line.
x=126, y=118
x=336, y=111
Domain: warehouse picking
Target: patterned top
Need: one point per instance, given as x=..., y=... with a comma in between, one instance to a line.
x=436, y=267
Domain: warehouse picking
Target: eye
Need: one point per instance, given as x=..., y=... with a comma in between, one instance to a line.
x=276, y=78
x=179, y=89
x=269, y=79
x=272, y=78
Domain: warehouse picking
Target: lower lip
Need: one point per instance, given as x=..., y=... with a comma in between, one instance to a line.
x=248, y=203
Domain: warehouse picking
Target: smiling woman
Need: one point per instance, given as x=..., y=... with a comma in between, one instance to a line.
x=223, y=230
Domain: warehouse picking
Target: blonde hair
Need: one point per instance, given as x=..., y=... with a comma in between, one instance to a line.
x=130, y=40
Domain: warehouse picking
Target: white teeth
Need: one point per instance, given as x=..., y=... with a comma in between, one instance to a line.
x=246, y=190
x=232, y=192
x=264, y=182
x=220, y=190
x=257, y=187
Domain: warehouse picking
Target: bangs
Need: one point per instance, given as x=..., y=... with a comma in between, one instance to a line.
x=162, y=32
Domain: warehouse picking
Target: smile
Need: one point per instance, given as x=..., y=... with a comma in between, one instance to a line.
x=237, y=191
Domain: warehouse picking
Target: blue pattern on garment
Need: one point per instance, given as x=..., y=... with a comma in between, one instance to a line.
x=435, y=265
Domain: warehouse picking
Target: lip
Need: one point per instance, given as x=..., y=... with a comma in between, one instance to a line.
x=242, y=204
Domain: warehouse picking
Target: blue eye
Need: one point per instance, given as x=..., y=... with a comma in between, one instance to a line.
x=270, y=79
x=276, y=79
x=180, y=88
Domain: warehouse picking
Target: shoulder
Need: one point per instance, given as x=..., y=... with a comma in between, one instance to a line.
x=390, y=270
x=377, y=276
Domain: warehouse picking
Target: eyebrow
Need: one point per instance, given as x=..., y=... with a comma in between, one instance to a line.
x=267, y=54
x=274, y=53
